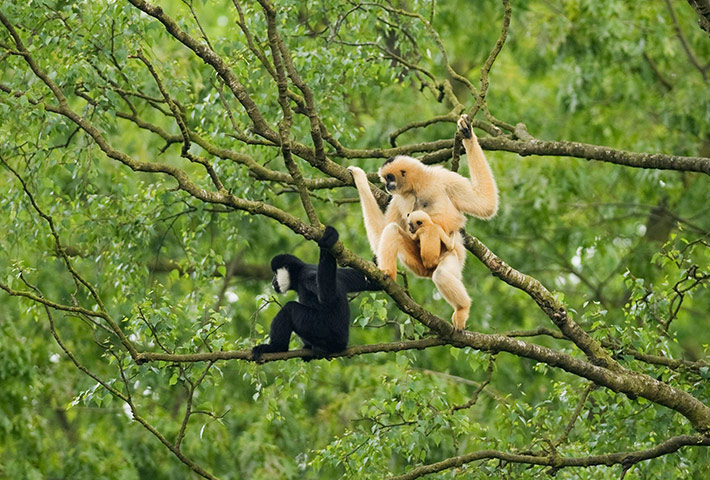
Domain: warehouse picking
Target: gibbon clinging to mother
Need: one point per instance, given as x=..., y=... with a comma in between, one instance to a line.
x=430, y=237
x=445, y=196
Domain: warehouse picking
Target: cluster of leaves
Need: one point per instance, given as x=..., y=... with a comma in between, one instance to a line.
x=625, y=249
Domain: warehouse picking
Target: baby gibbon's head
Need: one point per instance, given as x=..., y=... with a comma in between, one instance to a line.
x=400, y=173
x=418, y=219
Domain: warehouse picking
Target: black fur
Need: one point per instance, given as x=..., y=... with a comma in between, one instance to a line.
x=321, y=316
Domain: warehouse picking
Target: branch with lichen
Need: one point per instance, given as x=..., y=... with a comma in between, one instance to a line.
x=557, y=462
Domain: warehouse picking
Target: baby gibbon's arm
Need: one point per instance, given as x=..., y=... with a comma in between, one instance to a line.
x=447, y=240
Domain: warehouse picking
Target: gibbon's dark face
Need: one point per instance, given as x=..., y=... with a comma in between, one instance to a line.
x=414, y=226
x=286, y=268
x=393, y=174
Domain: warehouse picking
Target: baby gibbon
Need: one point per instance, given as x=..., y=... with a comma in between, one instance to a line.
x=430, y=237
x=445, y=196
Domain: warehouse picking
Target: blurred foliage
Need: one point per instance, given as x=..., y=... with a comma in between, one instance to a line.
x=618, y=245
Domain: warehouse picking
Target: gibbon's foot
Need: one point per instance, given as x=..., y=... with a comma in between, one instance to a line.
x=430, y=265
x=465, y=126
x=316, y=353
x=392, y=274
x=259, y=350
x=459, y=318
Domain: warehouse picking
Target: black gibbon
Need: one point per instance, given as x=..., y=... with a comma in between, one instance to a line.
x=321, y=316
x=445, y=196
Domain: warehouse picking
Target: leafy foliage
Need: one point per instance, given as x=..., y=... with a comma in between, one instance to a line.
x=625, y=250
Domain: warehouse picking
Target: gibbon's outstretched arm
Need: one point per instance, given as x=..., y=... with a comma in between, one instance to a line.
x=354, y=281
x=330, y=277
x=374, y=218
x=480, y=197
x=327, y=267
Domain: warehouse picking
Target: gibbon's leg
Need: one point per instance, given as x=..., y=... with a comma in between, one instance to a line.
x=323, y=330
x=372, y=215
x=391, y=241
x=395, y=241
x=286, y=321
x=447, y=278
x=484, y=202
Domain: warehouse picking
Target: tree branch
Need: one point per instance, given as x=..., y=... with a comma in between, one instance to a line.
x=684, y=42
x=302, y=353
x=702, y=9
x=552, y=460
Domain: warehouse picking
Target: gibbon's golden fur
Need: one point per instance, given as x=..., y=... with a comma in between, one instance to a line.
x=445, y=196
x=430, y=237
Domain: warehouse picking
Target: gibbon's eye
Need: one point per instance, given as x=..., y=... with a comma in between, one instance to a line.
x=403, y=172
x=419, y=222
x=425, y=204
x=389, y=177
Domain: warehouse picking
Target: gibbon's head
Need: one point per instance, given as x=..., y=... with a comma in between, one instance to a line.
x=418, y=219
x=401, y=173
x=285, y=268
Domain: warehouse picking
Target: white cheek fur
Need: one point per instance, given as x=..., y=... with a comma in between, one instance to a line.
x=283, y=279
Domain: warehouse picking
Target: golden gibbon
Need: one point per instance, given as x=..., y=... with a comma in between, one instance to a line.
x=445, y=196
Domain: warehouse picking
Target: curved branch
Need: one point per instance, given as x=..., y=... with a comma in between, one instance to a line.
x=507, y=11
x=626, y=459
x=684, y=42
x=597, y=152
x=545, y=300
x=127, y=399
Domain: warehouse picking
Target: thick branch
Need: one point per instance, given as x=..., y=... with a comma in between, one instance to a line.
x=533, y=146
x=702, y=8
x=597, y=152
x=552, y=460
x=545, y=300
x=305, y=354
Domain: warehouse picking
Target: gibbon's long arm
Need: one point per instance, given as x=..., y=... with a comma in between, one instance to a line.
x=354, y=281
x=480, y=197
x=327, y=269
x=374, y=218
